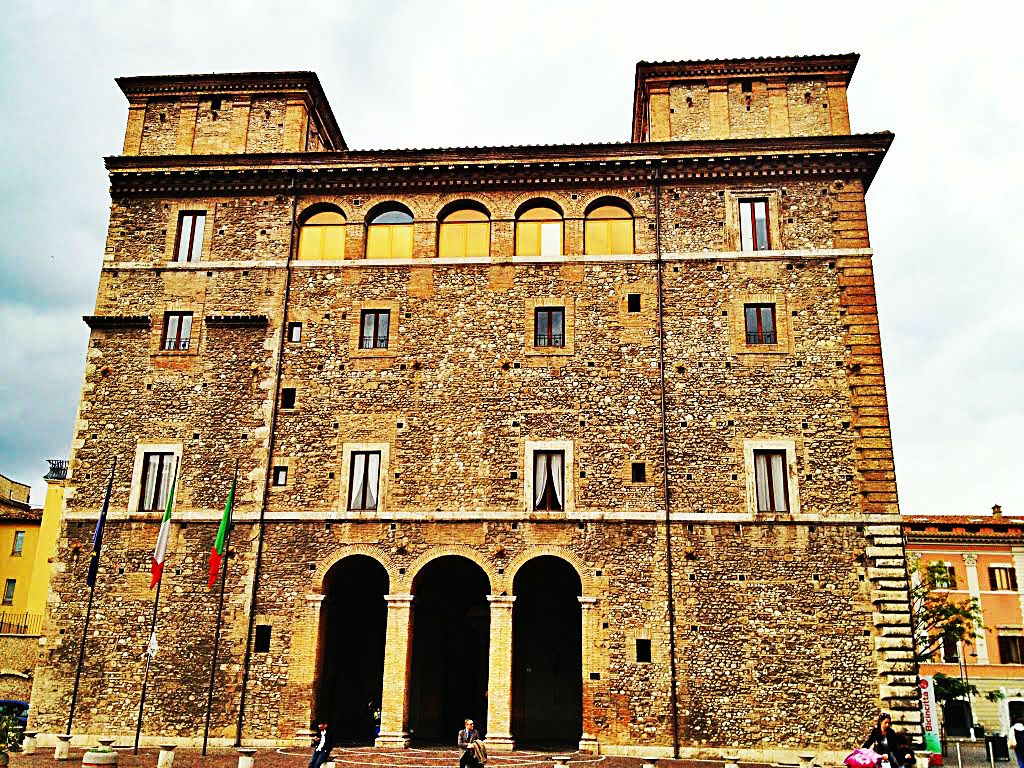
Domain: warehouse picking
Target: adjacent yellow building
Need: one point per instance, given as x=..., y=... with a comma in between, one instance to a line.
x=19, y=532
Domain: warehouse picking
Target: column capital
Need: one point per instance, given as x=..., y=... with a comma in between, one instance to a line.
x=587, y=602
x=501, y=601
x=398, y=600
x=970, y=559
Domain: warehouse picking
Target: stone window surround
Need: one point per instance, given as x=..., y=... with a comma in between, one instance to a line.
x=347, y=449
x=738, y=330
x=174, y=208
x=141, y=449
x=570, y=322
x=732, y=217
x=156, y=333
x=529, y=448
x=771, y=444
x=283, y=461
x=355, y=328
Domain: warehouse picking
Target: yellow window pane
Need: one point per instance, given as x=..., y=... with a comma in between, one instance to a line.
x=326, y=217
x=478, y=239
x=334, y=242
x=621, y=236
x=597, y=238
x=451, y=241
x=528, y=238
x=541, y=214
x=609, y=212
x=378, y=242
x=551, y=238
x=310, y=242
x=401, y=241
x=465, y=214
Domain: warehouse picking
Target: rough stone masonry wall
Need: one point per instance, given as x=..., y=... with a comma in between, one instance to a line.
x=18, y=656
x=455, y=409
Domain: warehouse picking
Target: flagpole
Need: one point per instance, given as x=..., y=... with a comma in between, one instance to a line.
x=149, y=657
x=150, y=651
x=92, y=594
x=220, y=613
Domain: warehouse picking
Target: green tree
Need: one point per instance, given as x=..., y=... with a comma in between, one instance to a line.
x=936, y=617
x=950, y=688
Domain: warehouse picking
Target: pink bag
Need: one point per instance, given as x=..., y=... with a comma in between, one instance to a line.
x=862, y=758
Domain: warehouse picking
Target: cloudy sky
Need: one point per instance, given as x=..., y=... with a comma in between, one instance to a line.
x=945, y=210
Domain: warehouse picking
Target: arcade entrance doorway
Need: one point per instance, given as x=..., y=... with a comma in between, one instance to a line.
x=450, y=639
x=353, y=621
x=547, y=655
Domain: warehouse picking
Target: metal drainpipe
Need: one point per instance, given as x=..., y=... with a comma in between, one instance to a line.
x=266, y=475
x=664, y=460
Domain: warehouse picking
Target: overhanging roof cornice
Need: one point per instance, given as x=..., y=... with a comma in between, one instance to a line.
x=498, y=167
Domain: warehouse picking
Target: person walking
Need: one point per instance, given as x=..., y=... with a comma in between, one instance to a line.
x=467, y=737
x=1016, y=740
x=323, y=743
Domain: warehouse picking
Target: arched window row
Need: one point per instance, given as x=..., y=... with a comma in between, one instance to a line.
x=464, y=231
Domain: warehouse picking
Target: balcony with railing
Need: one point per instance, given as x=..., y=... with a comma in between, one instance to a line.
x=373, y=342
x=58, y=469
x=553, y=340
x=30, y=624
x=763, y=337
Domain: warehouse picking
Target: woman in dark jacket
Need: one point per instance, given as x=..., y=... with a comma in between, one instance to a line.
x=885, y=740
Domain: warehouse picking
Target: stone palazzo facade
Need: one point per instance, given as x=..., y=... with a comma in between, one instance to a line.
x=588, y=442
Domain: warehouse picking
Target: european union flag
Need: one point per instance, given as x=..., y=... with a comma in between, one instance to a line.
x=97, y=537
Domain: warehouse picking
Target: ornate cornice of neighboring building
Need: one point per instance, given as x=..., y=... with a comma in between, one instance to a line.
x=500, y=167
x=960, y=529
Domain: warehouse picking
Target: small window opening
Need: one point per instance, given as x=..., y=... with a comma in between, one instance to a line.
x=294, y=331
x=643, y=650
x=280, y=475
x=746, y=86
x=262, y=638
x=288, y=397
x=633, y=302
x=639, y=472
x=214, y=107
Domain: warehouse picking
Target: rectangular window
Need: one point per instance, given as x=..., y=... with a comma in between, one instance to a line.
x=549, y=327
x=364, y=481
x=288, y=397
x=771, y=480
x=950, y=650
x=262, y=640
x=549, y=481
x=9, y=592
x=374, y=328
x=643, y=650
x=633, y=302
x=19, y=544
x=639, y=473
x=1003, y=578
x=157, y=476
x=1011, y=649
x=942, y=576
x=294, y=332
x=190, y=236
x=754, y=225
x=280, y=475
x=177, y=330
x=759, y=322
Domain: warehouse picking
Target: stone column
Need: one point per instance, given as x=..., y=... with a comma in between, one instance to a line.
x=588, y=626
x=188, y=109
x=133, y=131
x=303, y=665
x=974, y=587
x=499, y=677
x=394, y=705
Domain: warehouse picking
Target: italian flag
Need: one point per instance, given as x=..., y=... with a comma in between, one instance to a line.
x=217, y=553
x=160, y=553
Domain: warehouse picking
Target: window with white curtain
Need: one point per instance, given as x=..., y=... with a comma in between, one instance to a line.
x=364, y=481
x=549, y=481
x=157, y=476
x=771, y=481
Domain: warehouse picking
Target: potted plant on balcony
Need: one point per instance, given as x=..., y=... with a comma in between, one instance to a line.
x=10, y=736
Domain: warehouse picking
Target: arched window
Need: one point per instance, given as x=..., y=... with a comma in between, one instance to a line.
x=322, y=236
x=464, y=232
x=539, y=230
x=389, y=233
x=608, y=229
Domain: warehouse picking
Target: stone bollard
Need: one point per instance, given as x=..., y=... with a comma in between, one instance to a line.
x=732, y=761
x=560, y=761
x=650, y=762
x=246, y=757
x=100, y=757
x=166, y=759
x=28, y=743
x=806, y=759
x=62, y=750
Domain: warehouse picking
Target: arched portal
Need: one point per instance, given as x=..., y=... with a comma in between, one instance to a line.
x=450, y=639
x=547, y=655
x=353, y=620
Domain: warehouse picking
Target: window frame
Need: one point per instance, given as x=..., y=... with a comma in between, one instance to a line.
x=753, y=201
x=521, y=222
x=550, y=501
x=181, y=343
x=786, y=446
x=630, y=302
x=390, y=228
x=375, y=338
x=18, y=544
x=636, y=476
x=589, y=222
x=1011, y=578
x=552, y=340
x=365, y=480
x=195, y=250
x=1012, y=646
x=772, y=504
x=294, y=332
x=305, y=226
x=445, y=225
x=279, y=476
x=760, y=336
x=10, y=585
x=159, y=484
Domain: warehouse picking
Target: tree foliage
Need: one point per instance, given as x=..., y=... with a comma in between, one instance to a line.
x=937, y=617
x=949, y=688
